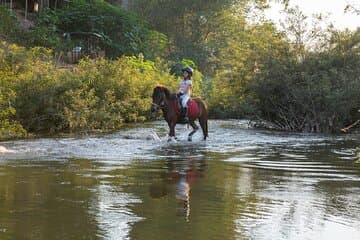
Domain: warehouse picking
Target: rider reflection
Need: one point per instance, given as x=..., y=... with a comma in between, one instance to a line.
x=183, y=197
x=182, y=174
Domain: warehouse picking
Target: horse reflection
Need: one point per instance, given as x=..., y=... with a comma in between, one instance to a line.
x=182, y=174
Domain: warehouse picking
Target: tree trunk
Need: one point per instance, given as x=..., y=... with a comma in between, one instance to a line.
x=26, y=9
x=41, y=5
x=125, y=4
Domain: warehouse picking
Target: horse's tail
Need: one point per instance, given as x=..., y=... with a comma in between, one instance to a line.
x=203, y=116
x=206, y=128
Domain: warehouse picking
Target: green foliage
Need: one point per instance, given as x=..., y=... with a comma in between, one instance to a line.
x=260, y=75
x=118, y=31
x=244, y=52
x=9, y=127
x=96, y=94
x=119, y=90
x=189, y=24
x=317, y=94
x=9, y=26
x=305, y=81
x=46, y=32
x=157, y=45
x=121, y=33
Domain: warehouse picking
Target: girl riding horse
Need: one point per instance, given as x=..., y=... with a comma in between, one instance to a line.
x=166, y=101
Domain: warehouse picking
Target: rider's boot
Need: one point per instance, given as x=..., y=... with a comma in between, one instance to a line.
x=186, y=117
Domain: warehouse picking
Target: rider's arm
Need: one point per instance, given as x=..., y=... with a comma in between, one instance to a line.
x=189, y=86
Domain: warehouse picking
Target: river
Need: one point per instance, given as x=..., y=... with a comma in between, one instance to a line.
x=241, y=183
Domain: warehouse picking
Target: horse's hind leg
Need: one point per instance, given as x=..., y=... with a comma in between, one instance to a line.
x=204, y=126
x=195, y=128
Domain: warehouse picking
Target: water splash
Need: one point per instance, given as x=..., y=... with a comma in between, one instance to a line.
x=5, y=150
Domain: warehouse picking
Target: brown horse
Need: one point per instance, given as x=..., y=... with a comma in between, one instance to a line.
x=166, y=101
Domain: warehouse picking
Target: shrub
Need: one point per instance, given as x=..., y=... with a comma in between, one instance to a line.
x=96, y=95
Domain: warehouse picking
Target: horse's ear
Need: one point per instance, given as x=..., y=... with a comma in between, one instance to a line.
x=157, y=90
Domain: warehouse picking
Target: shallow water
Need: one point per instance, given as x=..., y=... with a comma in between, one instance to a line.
x=240, y=184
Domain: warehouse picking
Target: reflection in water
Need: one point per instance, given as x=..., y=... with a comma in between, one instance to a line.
x=304, y=195
x=183, y=197
x=182, y=176
x=112, y=212
x=45, y=201
x=65, y=200
x=241, y=184
x=194, y=170
x=192, y=202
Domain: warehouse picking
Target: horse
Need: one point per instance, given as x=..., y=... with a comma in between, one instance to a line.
x=168, y=102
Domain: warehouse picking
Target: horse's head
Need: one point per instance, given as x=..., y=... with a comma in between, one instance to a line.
x=158, y=98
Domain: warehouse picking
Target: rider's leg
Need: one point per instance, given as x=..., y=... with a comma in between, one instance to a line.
x=181, y=99
x=186, y=118
x=185, y=99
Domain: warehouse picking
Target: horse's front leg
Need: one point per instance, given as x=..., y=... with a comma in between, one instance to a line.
x=172, y=131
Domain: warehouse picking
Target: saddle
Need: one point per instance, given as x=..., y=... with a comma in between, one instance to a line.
x=193, y=109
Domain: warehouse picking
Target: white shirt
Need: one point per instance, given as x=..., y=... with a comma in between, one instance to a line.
x=185, y=86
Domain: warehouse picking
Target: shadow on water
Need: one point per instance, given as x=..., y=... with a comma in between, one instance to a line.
x=240, y=184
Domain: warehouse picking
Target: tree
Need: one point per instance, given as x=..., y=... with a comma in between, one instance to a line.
x=353, y=8
x=244, y=49
x=318, y=93
x=189, y=24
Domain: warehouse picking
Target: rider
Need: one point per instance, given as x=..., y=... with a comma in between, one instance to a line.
x=185, y=90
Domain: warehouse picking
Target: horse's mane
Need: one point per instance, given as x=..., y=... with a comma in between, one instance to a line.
x=167, y=92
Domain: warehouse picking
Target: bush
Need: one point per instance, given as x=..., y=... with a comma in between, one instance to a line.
x=9, y=127
x=96, y=94
x=318, y=94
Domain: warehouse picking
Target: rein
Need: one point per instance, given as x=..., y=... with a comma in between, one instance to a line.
x=159, y=106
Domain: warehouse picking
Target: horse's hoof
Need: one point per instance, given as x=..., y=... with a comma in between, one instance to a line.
x=189, y=139
x=170, y=139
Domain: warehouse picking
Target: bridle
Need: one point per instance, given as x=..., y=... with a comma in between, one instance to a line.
x=162, y=104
